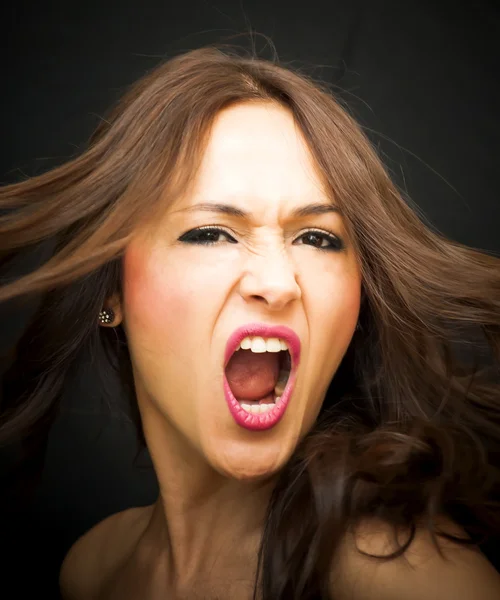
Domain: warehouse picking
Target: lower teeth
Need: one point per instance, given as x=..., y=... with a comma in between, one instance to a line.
x=257, y=409
x=280, y=386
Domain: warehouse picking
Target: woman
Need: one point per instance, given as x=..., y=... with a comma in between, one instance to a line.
x=286, y=328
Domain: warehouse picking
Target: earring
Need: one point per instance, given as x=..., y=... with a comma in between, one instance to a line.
x=358, y=326
x=106, y=315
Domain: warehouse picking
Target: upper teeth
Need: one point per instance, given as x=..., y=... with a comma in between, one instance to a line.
x=259, y=344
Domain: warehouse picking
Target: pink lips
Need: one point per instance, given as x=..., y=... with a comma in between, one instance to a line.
x=273, y=416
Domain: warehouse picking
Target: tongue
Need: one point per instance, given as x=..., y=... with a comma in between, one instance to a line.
x=252, y=376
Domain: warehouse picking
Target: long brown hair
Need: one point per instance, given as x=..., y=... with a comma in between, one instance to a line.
x=409, y=429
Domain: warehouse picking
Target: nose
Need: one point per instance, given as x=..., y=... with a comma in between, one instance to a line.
x=270, y=277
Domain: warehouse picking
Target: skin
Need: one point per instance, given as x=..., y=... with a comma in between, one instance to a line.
x=181, y=303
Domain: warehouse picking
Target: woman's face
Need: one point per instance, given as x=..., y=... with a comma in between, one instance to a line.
x=184, y=297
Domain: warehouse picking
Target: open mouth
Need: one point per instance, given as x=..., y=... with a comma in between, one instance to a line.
x=258, y=379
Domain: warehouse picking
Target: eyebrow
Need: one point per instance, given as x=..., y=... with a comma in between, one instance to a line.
x=233, y=211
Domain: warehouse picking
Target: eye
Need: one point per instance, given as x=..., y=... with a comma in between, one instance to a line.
x=317, y=237
x=209, y=235
x=205, y=236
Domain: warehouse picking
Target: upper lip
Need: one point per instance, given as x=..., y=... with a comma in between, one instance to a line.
x=267, y=331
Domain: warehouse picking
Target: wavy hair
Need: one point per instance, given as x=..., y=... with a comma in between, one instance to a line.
x=409, y=429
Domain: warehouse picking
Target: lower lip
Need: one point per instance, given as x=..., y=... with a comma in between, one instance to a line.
x=261, y=421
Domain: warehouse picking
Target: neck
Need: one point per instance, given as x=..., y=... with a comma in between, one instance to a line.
x=202, y=521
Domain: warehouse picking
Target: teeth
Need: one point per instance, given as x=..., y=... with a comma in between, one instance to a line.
x=245, y=344
x=259, y=344
x=257, y=409
x=279, y=388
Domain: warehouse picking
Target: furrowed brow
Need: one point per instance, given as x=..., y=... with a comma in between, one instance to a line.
x=227, y=209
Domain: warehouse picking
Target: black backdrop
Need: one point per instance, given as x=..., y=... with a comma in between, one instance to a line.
x=421, y=77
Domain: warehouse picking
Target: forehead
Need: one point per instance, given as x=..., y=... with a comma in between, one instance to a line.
x=256, y=151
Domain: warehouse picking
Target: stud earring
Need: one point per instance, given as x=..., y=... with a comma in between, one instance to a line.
x=106, y=316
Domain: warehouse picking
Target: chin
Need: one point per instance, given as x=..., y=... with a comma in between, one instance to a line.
x=256, y=473
x=250, y=465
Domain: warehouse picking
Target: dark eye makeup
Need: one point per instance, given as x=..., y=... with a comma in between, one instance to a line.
x=208, y=236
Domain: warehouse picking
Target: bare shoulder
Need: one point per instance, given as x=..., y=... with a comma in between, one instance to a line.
x=99, y=551
x=421, y=573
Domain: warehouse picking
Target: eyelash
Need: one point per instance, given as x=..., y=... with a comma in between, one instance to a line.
x=334, y=239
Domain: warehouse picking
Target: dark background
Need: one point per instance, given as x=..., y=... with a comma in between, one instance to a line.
x=420, y=76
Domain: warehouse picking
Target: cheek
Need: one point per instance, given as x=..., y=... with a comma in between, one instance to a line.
x=151, y=302
x=334, y=321
x=338, y=296
x=349, y=303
